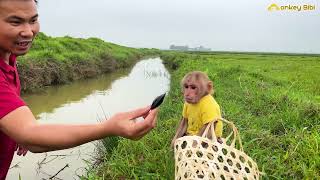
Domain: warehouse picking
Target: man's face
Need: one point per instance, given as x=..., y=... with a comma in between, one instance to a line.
x=18, y=26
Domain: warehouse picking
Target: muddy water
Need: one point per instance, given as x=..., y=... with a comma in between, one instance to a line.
x=87, y=101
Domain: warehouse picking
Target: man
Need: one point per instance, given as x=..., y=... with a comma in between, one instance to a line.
x=18, y=27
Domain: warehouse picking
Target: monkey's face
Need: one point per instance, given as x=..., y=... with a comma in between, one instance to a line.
x=195, y=85
x=191, y=93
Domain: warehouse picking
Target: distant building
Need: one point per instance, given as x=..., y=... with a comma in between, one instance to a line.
x=200, y=48
x=186, y=48
x=179, y=48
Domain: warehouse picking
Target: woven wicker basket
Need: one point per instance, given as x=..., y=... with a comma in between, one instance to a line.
x=197, y=157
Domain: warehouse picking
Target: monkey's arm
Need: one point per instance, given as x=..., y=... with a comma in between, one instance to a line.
x=209, y=134
x=181, y=130
x=202, y=130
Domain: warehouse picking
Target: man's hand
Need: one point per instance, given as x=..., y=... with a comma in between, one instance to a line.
x=123, y=124
x=21, y=151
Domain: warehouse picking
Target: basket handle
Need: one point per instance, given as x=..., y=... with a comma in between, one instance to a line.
x=234, y=133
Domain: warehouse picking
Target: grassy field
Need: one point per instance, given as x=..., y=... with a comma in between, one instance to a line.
x=274, y=100
x=63, y=59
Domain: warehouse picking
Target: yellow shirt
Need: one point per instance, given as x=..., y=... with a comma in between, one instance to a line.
x=205, y=111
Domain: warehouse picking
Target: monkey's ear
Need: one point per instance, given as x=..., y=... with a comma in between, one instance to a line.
x=210, y=87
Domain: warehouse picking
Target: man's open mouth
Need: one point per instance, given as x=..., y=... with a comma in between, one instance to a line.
x=24, y=44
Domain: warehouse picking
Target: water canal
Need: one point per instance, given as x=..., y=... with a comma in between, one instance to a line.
x=87, y=101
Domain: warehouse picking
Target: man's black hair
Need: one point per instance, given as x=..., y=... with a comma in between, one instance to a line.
x=36, y=1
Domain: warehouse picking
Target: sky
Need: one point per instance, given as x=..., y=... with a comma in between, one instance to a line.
x=222, y=25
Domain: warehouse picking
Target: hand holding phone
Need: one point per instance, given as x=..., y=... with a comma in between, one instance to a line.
x=157, y=101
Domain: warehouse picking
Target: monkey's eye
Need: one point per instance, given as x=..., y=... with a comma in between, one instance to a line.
x=193, y=87
x=186, y=86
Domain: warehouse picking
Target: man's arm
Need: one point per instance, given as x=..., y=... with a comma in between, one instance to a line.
x=22, y=126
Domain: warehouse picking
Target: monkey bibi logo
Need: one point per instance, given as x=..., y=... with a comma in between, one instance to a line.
x=305, y=7
x=273, y=7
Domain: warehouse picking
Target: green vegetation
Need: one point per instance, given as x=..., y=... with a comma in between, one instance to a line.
x=64, y=59
x=274, y=100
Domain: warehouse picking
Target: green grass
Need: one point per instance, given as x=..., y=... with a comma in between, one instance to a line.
x=272, y=99
x=64, y=59
x=68, y=49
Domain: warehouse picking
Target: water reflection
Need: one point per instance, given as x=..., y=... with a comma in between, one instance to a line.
x=53, y=97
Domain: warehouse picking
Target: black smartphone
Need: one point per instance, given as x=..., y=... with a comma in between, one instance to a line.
x=157, y=101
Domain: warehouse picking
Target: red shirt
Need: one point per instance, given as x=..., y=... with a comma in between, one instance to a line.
x=9, y=101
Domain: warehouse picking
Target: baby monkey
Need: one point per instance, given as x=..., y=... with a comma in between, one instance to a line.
x=200, y=108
